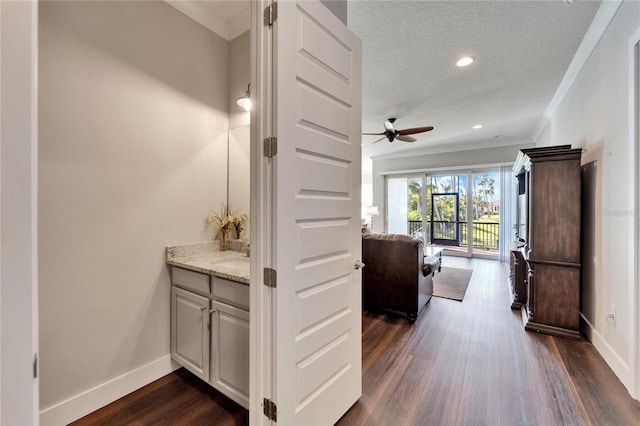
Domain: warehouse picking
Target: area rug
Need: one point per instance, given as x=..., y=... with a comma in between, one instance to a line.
x=451, y=283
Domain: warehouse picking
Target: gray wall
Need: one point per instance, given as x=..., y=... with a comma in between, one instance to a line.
x=133, y=116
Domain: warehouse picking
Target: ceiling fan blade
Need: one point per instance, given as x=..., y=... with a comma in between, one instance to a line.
x=406, y=138
x=375, y=134
x=415, y=130
x=378, y=140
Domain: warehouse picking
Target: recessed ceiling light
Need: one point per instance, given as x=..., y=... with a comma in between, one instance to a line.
x=478, y=126
x=464, y=61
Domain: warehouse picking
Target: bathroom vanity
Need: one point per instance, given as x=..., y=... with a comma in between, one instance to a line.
x=210, y=316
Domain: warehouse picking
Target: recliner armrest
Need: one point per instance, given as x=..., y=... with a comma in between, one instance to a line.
x=431, y=264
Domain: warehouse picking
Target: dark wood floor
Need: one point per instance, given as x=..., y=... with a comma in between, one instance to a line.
x=175, y=399
x=461, y=363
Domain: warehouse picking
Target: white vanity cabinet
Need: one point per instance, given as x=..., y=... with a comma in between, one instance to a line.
x=190, y=321
x=210, y=330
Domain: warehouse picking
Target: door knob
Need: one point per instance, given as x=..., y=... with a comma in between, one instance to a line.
x=358, y=265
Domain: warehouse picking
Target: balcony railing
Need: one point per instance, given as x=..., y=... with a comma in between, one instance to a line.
x=414, y=226
x=485, y=234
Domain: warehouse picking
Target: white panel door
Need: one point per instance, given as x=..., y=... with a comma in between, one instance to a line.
x=317, y=312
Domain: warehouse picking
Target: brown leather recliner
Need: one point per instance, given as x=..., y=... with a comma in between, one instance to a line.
x=395, y=276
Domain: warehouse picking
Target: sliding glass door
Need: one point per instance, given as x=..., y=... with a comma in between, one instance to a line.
x=485, y=220
x=459, y=211
x=465, y=208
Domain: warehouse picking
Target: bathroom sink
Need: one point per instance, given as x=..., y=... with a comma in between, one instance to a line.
x=235, y=263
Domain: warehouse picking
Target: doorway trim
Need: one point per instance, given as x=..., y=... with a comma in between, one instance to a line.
x=261, y=176
x=634, y=158
x=19, y=397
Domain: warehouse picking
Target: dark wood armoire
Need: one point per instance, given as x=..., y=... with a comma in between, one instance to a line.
x=551, y=248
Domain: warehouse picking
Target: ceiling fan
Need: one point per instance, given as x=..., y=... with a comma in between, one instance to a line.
x=402, y=135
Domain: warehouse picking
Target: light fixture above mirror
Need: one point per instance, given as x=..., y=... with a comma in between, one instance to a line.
x=244, y=102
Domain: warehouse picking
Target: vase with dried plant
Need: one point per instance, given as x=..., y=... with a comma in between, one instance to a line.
x=223, y=222
x=239, y=221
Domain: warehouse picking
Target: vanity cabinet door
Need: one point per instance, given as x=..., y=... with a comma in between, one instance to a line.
x=190, y=331
x=230, y=352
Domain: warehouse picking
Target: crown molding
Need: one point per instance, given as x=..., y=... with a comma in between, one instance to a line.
x=598, y=26
x=442, y=149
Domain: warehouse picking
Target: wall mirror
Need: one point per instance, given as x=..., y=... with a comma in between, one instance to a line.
x=238, y=171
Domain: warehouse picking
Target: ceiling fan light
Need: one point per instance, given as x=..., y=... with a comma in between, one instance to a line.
x=464, y=61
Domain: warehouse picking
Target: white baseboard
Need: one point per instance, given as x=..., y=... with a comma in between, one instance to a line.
x=611, y=357
x=87, y=402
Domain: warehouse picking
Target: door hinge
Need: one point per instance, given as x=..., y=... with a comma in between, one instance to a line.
x=270, y=277
x=270, y=146
x=35, y=366
x=270, y=409
x=270, y=14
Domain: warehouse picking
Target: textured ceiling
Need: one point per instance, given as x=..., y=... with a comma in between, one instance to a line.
x=522, y=51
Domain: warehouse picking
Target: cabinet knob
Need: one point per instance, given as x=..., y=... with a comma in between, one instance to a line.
x=211, y=311
x=358, y=265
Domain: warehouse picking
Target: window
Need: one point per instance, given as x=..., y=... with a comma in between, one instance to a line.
x=459, y=210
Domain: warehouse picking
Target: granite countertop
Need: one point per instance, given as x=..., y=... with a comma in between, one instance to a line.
x=208, y=259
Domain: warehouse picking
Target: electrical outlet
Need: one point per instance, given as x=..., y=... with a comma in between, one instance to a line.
x=612, y=316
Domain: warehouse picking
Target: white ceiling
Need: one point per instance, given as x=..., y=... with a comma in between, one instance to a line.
x=522, y=50
x=227, y=18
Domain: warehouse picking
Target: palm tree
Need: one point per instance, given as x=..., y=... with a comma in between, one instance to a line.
x=484, y=194
x=415, y=199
